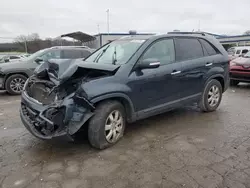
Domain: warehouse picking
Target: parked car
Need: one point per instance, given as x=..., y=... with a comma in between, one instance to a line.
x=240, y=70
x=13, y=75
x=9, y=58
x=238, y=51
x=124, y=81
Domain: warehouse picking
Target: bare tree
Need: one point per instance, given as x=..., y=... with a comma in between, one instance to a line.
x=29, y=43
x=32, y=43
x=246, y=32
x=22, y=42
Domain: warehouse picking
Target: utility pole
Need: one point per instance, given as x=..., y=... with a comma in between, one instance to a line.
x=98, y=28
x=108, y=20
x=25, y=44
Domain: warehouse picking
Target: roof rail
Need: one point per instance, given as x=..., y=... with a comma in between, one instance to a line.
x=70, y=47
x=187, y=33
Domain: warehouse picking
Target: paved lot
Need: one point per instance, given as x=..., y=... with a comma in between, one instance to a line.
x=183, y=148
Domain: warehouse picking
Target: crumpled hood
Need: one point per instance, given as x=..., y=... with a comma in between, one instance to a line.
x=242, y=61
x=59, y=71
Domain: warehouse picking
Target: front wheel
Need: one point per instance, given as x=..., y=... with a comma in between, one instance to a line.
x=15, y=83
x=107, y=126
x=211, y=96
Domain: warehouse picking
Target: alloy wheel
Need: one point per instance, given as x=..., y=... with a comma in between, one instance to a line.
x=113, y=126
x=213, y=96
x=17, y=84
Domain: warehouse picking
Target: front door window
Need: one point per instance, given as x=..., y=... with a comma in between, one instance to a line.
x=162, y=50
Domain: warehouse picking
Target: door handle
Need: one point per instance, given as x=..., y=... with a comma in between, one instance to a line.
x=208, y=64
x=175, y=72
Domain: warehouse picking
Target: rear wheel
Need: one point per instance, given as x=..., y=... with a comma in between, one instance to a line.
x=15, y=83
x=211, y=96
x=107, y=126
x=234, y=82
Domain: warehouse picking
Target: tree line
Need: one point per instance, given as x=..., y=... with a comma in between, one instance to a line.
x=32, y=43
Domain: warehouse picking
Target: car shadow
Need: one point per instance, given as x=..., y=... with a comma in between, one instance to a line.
x=132, y=131
x=242, y=86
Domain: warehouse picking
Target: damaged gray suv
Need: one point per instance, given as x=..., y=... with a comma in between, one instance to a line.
x=126, y=80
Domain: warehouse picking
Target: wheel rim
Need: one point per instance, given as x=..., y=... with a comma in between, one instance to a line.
x=213, y=95
x=114, y=126
x=17, y=84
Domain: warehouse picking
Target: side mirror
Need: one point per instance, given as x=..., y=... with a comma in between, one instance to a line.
x=150, y=63
x=38, y=60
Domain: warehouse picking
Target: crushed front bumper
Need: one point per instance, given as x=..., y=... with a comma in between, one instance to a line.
x=59, y=119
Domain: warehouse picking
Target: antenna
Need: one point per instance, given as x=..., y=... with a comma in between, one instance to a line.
x=98, y=28
x=107, y=19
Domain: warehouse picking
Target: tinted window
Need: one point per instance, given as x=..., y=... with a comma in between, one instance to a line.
x=14, y=57
x=208, y=47
x=72, y=54
x=244, y=51
x=238, y=51
x=187, y=48
x=162, y=50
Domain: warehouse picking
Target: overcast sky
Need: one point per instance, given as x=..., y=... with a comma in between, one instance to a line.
x=50, y=18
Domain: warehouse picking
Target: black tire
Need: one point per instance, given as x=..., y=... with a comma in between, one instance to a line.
x=204, y=102
x=96, y=129
x=234, y=82
x=12, y=78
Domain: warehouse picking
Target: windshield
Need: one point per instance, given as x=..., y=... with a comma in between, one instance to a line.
x=247, y=55
x=231, y=51
x=116, y=52
x=35, y=55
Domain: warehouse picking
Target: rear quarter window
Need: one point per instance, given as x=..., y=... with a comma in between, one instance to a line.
x=208, y=48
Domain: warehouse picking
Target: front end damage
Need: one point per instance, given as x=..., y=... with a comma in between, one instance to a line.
x=53, y=105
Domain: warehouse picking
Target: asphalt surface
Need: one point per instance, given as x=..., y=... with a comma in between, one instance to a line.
x=182, y=148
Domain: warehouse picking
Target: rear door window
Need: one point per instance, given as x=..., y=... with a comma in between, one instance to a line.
x=188, y=48
x=208, y=48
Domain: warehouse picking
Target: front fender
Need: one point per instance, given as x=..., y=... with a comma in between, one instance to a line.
x=125, y=98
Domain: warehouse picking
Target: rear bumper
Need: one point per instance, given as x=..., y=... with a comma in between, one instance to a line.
x=67, y=119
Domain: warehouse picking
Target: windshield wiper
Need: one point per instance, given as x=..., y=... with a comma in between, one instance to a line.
x=114, y=60
x=100, y=54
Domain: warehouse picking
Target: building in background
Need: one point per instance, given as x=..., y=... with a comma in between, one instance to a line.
x=104, y=38
x=98, y=40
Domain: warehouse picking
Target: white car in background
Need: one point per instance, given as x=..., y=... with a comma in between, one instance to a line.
x=237, y=51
